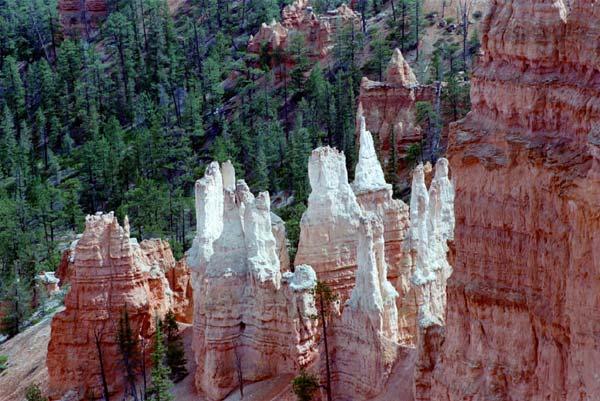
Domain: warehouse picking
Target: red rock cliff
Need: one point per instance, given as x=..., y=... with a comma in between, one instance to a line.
x=522, y=320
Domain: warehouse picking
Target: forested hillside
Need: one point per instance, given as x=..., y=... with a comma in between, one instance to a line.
x=127, y=120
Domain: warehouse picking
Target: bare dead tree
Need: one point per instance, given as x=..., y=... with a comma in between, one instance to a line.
x=97, y=341
x=464, y=9
x=240, y=373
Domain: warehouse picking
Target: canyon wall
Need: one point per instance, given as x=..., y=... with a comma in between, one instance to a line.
x=522, y=320
x=249, y=316
x=112, y=273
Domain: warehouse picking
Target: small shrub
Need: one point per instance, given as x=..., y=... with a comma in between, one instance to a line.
x=305, y=386
x=3, y=363
x=477, y=14
x=449, y=20
x=34, y=393
x=414, y=153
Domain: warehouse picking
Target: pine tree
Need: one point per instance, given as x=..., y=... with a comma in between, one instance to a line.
x=33, y=393
x=175, y=354
x=129, y=350
x=325, y=297
x=16, y=298
x=161, y=384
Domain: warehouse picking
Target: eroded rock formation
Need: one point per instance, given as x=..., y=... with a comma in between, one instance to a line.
x=48, y=281
x=111, y=274
x=158, y=253
x=522, y=321
x=248, y=315
x=375, y=195
x=365, y=338
x=389, y=110
x=298, y=18
x=328, y=233
x=374, y=340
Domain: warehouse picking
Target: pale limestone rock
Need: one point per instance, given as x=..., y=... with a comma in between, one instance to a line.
x=369, y=174
x=246, y=310
x=329, y=224
x=375, y=195
x=228, y=173
x=279, y=232
x=365, y=339
x=432, y=226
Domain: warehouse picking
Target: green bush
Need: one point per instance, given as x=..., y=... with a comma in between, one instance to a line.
x=3, y=363
x=305, y=386
x=34, y=393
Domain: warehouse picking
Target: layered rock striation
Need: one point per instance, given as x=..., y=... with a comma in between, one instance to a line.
x=249, y=316
x=374, y=341
x=522, y=317
x=389, y=110
x=365, y=338
x=374, y=195
x=330, y=223
x=112, y=274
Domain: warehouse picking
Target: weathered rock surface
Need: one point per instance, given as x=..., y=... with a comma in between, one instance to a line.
x=299, y=18
x=432, y=226
x=389, y=109
x=522, y=321
x=365, y=339
x=248, y=315
x=281, y=242
x=112, y=274
x=375, y=195
x=328, y=233
x=158, y=253
x=81, y=17
x=374, y=338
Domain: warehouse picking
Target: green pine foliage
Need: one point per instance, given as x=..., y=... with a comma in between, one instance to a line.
x=34, y=393
x=175, y=353
x=305, y=386
x=160, y=382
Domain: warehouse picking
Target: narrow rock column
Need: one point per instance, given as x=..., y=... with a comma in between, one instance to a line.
x=365, y=340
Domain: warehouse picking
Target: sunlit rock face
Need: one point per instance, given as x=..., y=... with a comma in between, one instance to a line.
x=389, y=110
x=522, y=317
x=374, y=341
x=111, y=274
x=375, y=195
x=249, y=315
x=158, y=252
x=330, y=223
x=365, y=338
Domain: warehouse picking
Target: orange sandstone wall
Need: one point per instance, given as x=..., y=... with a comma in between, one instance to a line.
x=523, y=301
